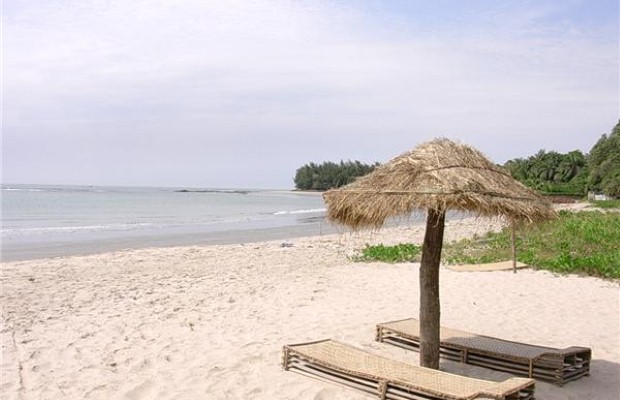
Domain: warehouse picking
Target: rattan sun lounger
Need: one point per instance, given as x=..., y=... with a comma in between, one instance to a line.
x=545, y=363
x=389, y=379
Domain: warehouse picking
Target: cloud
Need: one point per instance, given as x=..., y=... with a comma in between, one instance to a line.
x=201, y=87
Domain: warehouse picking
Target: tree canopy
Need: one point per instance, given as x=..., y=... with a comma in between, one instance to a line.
x=573, y=173
x=330, y=175
x=552, y=172
x=604, y=164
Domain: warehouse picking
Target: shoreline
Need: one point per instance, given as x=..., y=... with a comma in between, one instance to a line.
x=97, y=220
x=236, y=233
x=315, y=228
x=233, y=236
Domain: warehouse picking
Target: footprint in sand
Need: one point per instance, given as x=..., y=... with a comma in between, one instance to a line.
x=325, y=394
x=143, y=391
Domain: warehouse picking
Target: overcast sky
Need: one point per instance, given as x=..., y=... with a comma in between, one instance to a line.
x=240, y=93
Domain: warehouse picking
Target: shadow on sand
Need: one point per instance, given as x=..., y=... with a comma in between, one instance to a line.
x=603, y=383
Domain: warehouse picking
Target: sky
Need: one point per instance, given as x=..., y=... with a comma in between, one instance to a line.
x=241, y=93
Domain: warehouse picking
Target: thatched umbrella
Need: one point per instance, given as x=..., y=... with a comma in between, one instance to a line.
x=436, y=176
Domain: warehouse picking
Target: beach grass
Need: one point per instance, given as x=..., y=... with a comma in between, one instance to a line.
x=606, y=204
x=402, y=252
x=577, y=242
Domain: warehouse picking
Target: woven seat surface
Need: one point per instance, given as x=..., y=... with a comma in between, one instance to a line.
x=546, y=363
x=343, y=357
x=411, y=327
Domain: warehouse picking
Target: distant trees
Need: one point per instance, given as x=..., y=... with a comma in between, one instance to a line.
x=573, y=173
x=329, y=175
x=604, y=164
x=552, y=172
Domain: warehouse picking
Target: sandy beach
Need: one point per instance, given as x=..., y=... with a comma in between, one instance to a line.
x=209, y=322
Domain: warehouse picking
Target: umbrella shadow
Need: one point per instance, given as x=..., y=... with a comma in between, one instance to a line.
x=602, y=383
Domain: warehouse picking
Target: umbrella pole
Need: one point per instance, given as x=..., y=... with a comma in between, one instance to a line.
x=429, y=289
x=514, y=249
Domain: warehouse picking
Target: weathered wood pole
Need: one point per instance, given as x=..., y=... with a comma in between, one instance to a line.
x=514, y=248
x=429, y=289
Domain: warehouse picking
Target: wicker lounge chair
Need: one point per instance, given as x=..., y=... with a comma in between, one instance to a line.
x=388, y=379
x=545, y=363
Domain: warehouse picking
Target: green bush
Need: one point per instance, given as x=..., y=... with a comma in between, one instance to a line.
x=584, y=242
x=607, y=204
x=403, y=252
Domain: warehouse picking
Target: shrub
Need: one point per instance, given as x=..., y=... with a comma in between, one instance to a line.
x=403, y=252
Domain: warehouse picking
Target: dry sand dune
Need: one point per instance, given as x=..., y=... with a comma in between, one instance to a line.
x=209, y=322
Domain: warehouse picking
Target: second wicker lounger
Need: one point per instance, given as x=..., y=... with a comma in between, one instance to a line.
x=555, y=365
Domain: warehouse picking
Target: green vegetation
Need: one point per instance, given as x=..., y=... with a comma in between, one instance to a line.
x=573, y=173
x=606, y=204
x=561, y=175
x=552, y=172
x=329, y=175
x=604, y=164
x=583, y=243
x=403, y=252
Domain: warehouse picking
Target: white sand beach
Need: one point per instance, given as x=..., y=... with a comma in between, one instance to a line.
x=209, y=322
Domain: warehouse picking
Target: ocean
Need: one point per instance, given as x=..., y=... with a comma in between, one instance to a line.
x=47, y=221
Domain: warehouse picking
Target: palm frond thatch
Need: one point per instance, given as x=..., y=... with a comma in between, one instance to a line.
x=439, y=175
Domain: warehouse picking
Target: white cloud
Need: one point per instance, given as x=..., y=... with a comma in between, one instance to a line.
x=183, y=84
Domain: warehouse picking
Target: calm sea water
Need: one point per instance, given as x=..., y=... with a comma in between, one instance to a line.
x=44, y=221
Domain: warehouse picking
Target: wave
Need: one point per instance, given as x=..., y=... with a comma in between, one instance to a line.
x=228, y=191
x=295, y=212
x=56, y=190
x=9, y=189
x=72, y=229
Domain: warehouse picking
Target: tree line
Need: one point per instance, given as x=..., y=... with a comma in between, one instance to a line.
x=552, y=172
x=329, y=175
x=604, y=164
x=573, y=173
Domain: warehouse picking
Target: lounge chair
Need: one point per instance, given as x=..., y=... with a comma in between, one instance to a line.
x=389, y=379
x=555, y=365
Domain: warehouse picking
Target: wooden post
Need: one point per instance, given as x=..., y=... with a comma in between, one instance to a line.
x=514, y=249
x=285, y=356
x=430, y=311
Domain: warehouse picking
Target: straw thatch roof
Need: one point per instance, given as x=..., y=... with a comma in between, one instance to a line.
x=440, y=175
